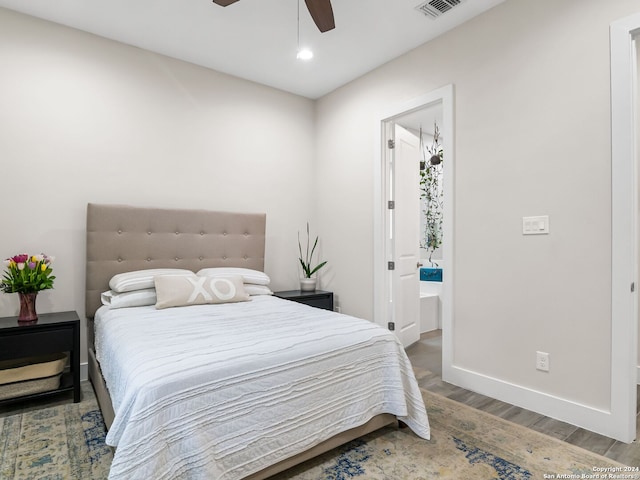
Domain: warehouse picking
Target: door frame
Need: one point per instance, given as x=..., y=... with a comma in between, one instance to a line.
x=624, y=220
x=381, y=247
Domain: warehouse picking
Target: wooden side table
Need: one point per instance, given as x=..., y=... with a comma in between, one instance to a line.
x=317, y=298
x=52, y=333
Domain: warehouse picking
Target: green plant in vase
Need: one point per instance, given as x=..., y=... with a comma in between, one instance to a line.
x=307, y=283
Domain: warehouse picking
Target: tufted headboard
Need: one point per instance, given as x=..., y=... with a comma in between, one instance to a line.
x=124, y=238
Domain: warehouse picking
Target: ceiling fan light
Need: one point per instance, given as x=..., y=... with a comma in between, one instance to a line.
x=304, y=54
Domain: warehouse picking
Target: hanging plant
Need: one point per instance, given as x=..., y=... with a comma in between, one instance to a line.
x=431, y=192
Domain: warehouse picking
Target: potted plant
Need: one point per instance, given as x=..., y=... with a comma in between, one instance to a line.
x=307, y=283
x=431, y=193
x=26, y=275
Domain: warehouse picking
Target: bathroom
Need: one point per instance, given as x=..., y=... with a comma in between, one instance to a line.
x=424, y=124
x=431, y=217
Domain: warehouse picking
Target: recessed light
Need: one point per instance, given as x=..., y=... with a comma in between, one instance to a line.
x=304, y=54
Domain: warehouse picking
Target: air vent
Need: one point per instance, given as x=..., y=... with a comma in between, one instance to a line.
x=435, y=8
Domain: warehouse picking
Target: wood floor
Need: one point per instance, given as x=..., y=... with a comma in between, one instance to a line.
x=426, y=357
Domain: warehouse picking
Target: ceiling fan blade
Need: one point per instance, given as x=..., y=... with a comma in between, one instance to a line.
x=224, y=3
x=322, y=14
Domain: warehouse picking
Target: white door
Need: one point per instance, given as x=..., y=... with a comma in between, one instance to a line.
x=405, y=175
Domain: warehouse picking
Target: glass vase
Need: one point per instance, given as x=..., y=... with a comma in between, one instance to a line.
x=27, y=307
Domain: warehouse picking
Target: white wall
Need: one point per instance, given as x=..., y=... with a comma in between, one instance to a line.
x=532, y=137
x=85, y=119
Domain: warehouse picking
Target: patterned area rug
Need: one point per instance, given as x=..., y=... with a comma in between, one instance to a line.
x=67, y=442
x=466, y=444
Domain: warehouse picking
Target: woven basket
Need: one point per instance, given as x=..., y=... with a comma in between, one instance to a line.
x=26, y=376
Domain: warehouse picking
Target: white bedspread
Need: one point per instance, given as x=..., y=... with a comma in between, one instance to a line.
x=222, y=391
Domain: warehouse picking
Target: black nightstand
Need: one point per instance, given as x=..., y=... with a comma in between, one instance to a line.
x=317, y=298
x=52, y=333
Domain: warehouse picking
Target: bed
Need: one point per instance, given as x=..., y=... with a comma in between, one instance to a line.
x=236, y=390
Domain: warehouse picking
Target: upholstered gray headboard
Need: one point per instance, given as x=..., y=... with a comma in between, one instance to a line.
x=123, y=238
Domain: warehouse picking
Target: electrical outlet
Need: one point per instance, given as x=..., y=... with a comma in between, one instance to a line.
x=542, y=361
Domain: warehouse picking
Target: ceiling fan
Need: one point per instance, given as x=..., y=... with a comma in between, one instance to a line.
x=320, y=11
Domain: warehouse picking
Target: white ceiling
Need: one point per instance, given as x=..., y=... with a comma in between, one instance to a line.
x=257, y=39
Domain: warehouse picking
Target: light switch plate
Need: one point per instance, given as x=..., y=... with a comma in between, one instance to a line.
x=535, y=225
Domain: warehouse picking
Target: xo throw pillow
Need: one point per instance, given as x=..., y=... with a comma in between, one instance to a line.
x=185, y=290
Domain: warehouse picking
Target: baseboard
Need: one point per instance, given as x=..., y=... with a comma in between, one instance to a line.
x=84, y=371
x=584, y=416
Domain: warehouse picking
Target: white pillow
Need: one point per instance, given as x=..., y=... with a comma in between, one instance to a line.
x=137, y=298
x=140, y=279
x=257, y=289
x=185, y=290
x=254, y=277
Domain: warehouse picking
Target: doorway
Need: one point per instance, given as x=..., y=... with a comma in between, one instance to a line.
x=425, y=233
x=624, y=228
x=636, y=139
x=384, y=294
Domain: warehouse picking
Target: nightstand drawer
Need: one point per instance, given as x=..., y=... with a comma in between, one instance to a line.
x=325, y=302
x=45, y=341
x=318, y=298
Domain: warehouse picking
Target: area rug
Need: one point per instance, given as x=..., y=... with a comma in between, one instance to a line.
x=466, y=444
x=66, y=442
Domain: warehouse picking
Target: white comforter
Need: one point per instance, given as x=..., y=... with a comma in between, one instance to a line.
x=222, y=391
